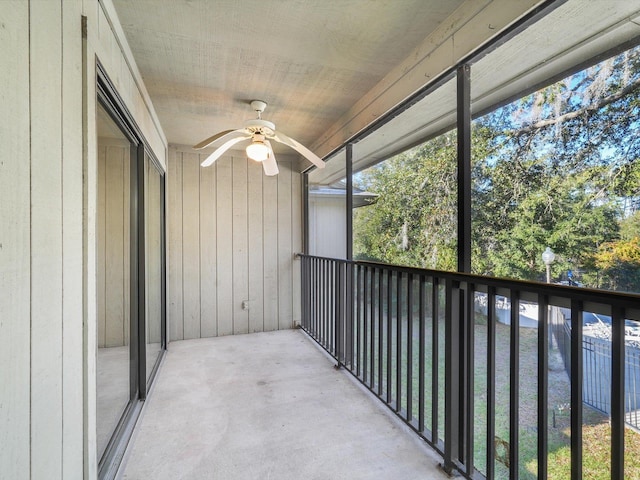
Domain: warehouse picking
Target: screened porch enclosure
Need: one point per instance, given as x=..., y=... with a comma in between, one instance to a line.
x=518, y=365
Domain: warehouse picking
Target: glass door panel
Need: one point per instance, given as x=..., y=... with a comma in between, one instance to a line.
x=114, y=277
x=153, y=182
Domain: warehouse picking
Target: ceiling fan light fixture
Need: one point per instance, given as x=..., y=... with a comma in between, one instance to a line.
x=258, y=151
x=261, y=133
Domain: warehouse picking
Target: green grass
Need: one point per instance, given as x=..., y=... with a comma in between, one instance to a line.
x=596, y=441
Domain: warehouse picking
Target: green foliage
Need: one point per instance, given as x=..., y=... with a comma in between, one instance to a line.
x=556, y=168
x=630, y=226
x=414, y=220
x=619, y=264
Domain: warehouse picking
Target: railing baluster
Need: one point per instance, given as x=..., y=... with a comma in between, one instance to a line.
x=303, y=292
x=399, y=343
x=357, y=319
x=339, y=323
x=335, y=308
x=327, y=307
x=322, y=301
x=380, y=330
x=514, y=389
x=318, y=296
x=330, y=306
x=365, y=331
x=307, y=299
x=491, y=380
x=310, y=292
x=576, y=389
x=435, y=359
x=372, y=329
x=618, y=393
x=315, y=286
x=452, y=370
x=389, y=336
x=468, y=421
x=333, y=300
x=421, y=354
x=349, y=299
x=409, y=347
x=543, y=383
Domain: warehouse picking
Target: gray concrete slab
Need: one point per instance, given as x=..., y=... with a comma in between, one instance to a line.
x=268, y=406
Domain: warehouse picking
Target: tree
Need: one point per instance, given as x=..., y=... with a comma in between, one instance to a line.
x=414, y=220
x=562, y=163
x=555, y=168
x=620, y=265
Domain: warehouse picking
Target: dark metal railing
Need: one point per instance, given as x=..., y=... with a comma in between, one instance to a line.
x=475, y=365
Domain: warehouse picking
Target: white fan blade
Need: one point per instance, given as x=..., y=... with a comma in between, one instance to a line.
x=223, y=148
x=298, y=147
x=270, y=165
x=210, y=140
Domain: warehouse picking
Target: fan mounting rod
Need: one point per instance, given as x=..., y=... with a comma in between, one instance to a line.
x=258, y=106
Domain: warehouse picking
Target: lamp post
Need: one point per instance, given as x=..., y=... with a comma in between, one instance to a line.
x=548, y=257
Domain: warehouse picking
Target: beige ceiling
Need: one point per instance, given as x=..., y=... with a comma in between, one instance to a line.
x=328, y=68
x=202, y=61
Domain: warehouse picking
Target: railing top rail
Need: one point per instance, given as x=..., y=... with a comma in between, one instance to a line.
x=621, y=299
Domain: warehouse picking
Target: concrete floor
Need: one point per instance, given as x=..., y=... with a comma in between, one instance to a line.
x=268, y=406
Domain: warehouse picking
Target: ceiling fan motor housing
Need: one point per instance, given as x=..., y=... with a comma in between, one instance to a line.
x=258, y=105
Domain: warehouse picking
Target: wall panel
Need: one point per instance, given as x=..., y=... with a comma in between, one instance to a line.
x=208, y=246
x=72, y=235
x=224, y=245
x=246, y=227
x=240, y=274
x=15, y=252
x=296, y=245
x=191, y=245
x=270, y=236
x=256, y=248
x=46, y=240
x=285, y=247
x=175, y=318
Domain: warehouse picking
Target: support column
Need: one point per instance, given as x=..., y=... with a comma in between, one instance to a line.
x=464, y=169
x=349, y=207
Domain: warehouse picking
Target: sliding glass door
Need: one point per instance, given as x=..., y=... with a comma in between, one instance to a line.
x=130, y=246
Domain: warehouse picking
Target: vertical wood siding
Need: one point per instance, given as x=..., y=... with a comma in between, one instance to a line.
x=232, y=236
x=48, y=310
x=41, y=228
x=15, y=249
x=72, y=243
x=46, y=240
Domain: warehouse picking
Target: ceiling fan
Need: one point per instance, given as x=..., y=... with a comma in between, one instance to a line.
x=259, y=131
